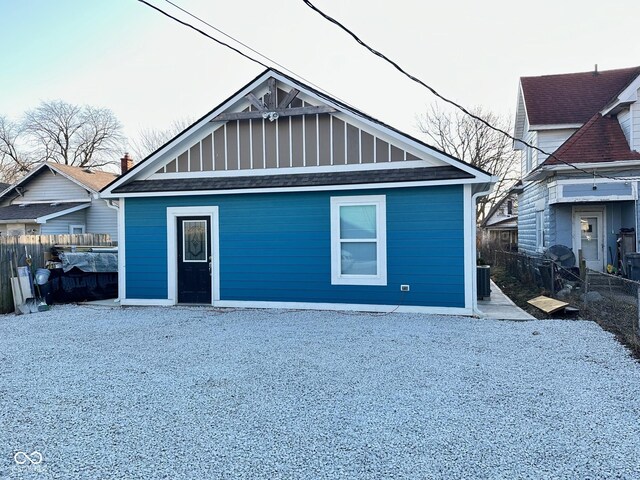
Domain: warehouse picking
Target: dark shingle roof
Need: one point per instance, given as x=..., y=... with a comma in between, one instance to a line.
x=574, y=97
x=296, y=180
x=599, y=140
x=35, y=210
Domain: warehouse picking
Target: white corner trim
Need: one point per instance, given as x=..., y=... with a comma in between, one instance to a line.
x=122, y=257
x=172, y=257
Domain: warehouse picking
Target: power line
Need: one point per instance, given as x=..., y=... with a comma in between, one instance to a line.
x=220, y=42
x=445, y=99
x=248, y=47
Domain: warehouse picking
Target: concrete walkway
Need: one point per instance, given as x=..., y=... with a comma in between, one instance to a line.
x=501, y=307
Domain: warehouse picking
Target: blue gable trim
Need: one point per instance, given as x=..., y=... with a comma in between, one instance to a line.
x=276, y=247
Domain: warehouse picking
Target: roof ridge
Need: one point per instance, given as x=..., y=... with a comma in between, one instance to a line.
x=599, y=72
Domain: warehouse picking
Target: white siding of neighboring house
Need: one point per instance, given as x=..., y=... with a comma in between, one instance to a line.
x=60, y=225
x=102, y=218
x=624, y=118
x=550, y=140
x=635, y=123
x=531, y=138
x=47, y=186
x=527, y=207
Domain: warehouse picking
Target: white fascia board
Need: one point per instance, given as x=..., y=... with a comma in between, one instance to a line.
x=293, y=170
x=521, y=117
x=555, y=126
x=627, y=96
x=18, y=220
x=319, y=188
x=45, y=218
x=548, y=170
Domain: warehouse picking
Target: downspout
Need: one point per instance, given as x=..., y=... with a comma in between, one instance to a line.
x=474, y=233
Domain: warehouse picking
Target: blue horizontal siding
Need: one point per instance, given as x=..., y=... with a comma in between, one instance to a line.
x=276, y=247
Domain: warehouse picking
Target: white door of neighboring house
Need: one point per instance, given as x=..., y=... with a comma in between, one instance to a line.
x=588, y=236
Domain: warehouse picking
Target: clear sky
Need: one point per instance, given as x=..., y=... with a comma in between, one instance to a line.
x=149, y=70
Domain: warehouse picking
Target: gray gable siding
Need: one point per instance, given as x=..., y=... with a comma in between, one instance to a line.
x=60, y=225
x=527, y=201
x=102, y=219
x=47, y=186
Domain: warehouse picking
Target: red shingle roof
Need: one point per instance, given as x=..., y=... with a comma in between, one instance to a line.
x=599, y=140
x=572, y=97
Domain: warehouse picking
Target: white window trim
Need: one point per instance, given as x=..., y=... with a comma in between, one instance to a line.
x=77, y=225
x=379, y=201
x=540, y=231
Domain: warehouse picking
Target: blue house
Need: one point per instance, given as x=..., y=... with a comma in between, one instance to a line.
x=285, y=197
x=584, y=196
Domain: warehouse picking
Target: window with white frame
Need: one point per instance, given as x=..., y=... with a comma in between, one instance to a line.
x=76, y=229
x=358, y=240
x=540, y=230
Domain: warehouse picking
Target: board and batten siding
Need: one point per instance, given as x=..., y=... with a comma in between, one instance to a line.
x=101, y=218
x=288, y=142
x=276, y=247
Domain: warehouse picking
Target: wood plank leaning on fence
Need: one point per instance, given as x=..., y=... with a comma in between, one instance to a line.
x=36, y=246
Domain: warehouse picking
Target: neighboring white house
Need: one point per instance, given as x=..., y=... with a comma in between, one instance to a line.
x=58, y=199
x=586, y=194
x=500, y=227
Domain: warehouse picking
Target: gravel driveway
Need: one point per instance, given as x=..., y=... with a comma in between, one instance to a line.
x=202, y=393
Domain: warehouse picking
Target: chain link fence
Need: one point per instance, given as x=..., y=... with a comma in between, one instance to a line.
x=611, y=300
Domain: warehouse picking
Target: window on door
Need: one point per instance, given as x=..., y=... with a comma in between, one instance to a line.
x=358, y=240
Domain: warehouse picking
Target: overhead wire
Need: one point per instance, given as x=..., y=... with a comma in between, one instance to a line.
x=373, y=51
x=449, y=101
x=236, y=50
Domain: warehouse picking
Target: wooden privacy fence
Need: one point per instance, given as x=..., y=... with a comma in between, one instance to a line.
x=36, y=246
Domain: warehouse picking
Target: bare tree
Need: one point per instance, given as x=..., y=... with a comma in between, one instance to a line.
x=82, y=136
x=14, y=160
x=475, y=143
x=150, y=139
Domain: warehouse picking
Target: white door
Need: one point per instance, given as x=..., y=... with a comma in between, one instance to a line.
x=588, y=236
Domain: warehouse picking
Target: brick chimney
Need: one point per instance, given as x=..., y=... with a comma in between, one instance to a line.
x=126, y=163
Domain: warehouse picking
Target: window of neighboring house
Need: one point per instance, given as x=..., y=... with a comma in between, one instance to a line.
x=76, y=229
x=509, y=207
x=540, y=242
x=529, y=159
x=358, y=240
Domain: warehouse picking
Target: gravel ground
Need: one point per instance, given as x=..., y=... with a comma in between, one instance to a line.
x=203, y=393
